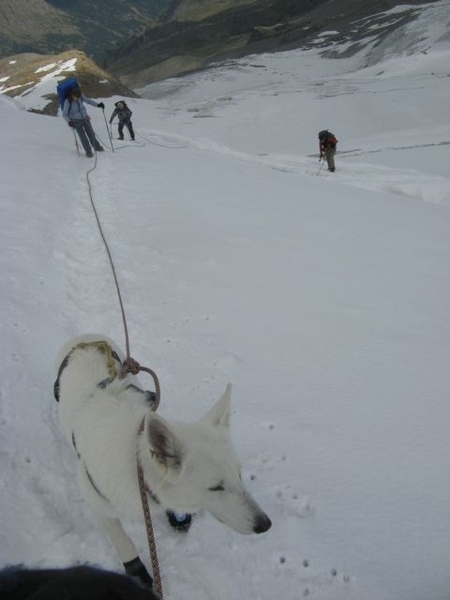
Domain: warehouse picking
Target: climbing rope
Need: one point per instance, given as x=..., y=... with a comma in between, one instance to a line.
x=150, y=533
x=132, y=366
x=176, y=146
x=108, y=251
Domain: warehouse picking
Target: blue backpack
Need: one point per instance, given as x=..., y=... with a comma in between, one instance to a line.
x=64, y=87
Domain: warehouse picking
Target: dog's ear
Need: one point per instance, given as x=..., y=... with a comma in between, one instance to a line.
x=164, y=445
x=219, y=415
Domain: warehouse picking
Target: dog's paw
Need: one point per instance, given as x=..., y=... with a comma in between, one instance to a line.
x=136, y=570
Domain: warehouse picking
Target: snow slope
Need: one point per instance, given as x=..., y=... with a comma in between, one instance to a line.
x=322, y=297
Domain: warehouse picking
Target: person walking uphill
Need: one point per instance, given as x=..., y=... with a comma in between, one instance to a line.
x=124, y=114
x=75, y=113
x=327, y=148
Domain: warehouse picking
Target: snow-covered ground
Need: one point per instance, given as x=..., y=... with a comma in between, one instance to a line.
x=323, y=297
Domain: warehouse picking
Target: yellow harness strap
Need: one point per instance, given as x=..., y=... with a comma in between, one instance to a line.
x=106, y=349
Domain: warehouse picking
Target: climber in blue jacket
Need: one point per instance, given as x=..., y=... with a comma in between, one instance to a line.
x=75, y=113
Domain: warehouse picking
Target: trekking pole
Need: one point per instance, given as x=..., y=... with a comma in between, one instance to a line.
x=76, y=141
x=107, y=129
x=321, y=165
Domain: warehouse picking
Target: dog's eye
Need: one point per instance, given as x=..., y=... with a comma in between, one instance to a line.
x=217, y=488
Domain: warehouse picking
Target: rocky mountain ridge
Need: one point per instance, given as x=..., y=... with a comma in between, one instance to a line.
x=20, y=74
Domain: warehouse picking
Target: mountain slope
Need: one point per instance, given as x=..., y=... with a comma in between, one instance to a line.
x=31, y=27
x=54, y=26
x=180, y=46
x=197, y=10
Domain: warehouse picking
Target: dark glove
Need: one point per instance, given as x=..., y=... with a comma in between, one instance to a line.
x=101, y=105
x=71, y=124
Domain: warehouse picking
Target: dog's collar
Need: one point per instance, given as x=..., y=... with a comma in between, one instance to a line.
x=65, y=362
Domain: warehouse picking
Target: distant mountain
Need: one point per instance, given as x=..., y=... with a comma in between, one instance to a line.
x=197, y=33
x=140, y=41
x=52, y=26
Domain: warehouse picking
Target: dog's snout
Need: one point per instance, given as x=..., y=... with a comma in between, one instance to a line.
x=262, y=524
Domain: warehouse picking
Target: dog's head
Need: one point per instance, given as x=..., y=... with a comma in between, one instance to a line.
x=198, y=469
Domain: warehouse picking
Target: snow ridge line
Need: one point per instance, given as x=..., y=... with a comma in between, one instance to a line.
x=409, y=183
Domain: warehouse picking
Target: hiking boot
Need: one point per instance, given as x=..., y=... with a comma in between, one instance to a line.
x=121, y=138
x=99, y=149
x=179, y=521
x=89, y=154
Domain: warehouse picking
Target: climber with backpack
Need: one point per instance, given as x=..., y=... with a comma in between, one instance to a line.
x=327, y=148
x=74, y=112
x=124, y=115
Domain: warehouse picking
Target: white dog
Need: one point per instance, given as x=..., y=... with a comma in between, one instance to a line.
x=110, y=424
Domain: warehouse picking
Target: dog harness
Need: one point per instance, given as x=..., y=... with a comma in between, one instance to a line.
x=111, y=356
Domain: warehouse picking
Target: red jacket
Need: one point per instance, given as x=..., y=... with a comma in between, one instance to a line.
x=329, y=142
